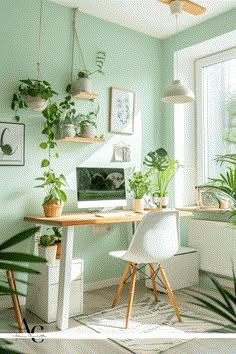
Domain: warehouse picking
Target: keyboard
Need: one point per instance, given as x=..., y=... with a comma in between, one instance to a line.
x=114, y=214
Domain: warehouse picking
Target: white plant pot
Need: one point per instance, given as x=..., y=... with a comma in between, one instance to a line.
x=85, y=85
x=138, y=205
x=35, y=103
x=162, y=202
x=49, y=253
x=69, y=130
x=88, y=131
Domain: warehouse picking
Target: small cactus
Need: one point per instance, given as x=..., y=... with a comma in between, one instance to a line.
x=47, y=240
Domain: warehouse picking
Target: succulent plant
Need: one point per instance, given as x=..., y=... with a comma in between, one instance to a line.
x=47, y=240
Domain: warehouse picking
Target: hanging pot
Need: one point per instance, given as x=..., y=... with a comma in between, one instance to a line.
x=35, y=103
x=88, y=131
x=85, y=85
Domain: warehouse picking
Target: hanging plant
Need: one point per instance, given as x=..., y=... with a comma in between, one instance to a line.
x=32, y=94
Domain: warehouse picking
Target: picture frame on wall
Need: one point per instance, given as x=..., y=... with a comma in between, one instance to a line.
x=12, y=144
x=122, y=103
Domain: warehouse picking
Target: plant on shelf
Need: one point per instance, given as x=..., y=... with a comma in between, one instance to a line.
x=70, y=117
x=83, y=83
x=163, y=168
x=47, y=248
x=57, y=234
x=139, y=184
x=87, y=123
x=32, y=94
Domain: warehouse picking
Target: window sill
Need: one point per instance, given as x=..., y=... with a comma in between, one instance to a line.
x=189, y=210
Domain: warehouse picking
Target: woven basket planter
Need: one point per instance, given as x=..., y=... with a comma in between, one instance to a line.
x=52, y=209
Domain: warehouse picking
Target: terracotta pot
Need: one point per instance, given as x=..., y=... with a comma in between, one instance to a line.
x=35, y=103
x=52, y=209
x=58, y=244
x=138, y=205
x=49, y=253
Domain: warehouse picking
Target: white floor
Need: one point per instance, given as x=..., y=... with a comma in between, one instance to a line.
x=100, y=299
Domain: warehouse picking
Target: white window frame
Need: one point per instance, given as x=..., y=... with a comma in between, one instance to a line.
x=202, y=131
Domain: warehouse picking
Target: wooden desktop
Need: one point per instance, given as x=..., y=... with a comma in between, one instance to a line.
x=68, y=222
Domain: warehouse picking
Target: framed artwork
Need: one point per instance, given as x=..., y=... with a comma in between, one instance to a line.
x=122, y=111
x=12, y=144
x=208, y=199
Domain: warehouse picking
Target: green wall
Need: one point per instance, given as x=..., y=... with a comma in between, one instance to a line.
x=133, y=62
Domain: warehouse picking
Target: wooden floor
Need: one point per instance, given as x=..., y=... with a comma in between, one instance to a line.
x=97, y=300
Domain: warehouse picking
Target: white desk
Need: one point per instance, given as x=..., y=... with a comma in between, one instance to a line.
x=68, y=222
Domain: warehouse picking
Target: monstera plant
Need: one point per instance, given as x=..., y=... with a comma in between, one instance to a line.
x=163, y=168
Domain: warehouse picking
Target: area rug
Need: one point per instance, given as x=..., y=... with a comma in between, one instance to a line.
x=149, y=325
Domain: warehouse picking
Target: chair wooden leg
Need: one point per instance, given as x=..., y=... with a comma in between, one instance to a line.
x=121, y=285
x=170, y=293
x=131, y=295
x=152, y=274
x=15, y=300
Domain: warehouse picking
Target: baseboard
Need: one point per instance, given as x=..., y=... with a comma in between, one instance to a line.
x=6, y=304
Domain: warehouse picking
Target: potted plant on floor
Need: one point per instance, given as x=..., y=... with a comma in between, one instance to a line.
x=47, y=249
x=32, y=94
x=164, y=169
x=139, y=184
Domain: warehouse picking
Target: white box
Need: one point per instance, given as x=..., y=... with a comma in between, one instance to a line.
x=181, y=270
x=42, y=291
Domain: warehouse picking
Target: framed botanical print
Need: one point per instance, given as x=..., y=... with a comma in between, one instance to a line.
x=122, y=111
x=12, y=144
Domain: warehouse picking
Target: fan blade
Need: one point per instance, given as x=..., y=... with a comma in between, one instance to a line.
x=189, y=7
x=193, y=8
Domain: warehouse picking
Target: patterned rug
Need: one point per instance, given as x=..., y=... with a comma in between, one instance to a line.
x=149, y=325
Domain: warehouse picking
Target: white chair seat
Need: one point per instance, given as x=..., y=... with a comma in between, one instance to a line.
x=155, y=239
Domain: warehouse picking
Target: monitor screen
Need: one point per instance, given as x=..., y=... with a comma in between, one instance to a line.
x=100, y=187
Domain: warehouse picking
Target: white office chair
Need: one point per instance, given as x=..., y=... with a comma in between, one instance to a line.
x=155, y=239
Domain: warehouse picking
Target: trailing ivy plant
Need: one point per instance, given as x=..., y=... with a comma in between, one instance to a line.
x=32, y=88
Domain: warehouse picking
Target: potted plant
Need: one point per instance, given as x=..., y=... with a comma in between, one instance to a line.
x=33, y=94
x=225, y=185
x=139, y=184
x=164, y=169
x=57, y=232
x=47, y=249
x=70, y=117
x=55, y=196
x=83, y=83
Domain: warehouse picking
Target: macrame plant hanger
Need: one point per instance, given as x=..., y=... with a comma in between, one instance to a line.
x=39, y=75
x=76, y=37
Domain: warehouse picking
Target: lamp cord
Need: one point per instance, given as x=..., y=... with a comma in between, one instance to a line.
x=75, y=35
x=39, y=76
x=177, y=54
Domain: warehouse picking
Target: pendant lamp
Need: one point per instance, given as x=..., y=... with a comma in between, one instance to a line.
x=177, y=93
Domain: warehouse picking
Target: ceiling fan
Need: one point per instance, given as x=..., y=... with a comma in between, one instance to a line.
x=188, y=6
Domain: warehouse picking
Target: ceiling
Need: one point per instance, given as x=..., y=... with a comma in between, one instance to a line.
x=147, y=16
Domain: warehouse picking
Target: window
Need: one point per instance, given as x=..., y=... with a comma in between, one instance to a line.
x=215, y=111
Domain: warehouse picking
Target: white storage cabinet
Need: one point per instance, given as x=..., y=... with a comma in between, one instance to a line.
x=42, y=291
x=181, y=270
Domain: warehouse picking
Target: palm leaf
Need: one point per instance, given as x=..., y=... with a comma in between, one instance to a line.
x=16, y=268
x=21, y=257
x=19, y=237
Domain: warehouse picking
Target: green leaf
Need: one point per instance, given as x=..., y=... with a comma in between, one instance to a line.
x=21, y=257
x=45, y=163
x=19, y=237
x=43, y=145
x=7, y=290
x=17, y=118
x=16, y=268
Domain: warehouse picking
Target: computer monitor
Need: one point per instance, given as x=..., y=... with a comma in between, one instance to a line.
x=99, y=187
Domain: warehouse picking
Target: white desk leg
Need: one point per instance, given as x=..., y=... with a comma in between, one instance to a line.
x=65, y=277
